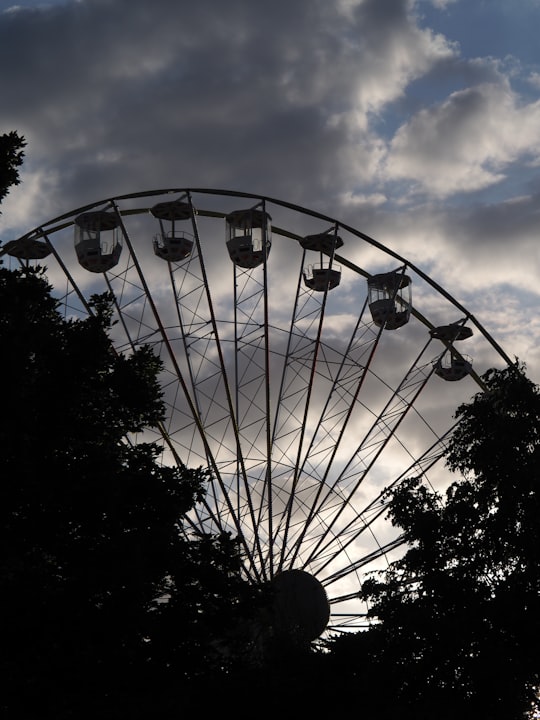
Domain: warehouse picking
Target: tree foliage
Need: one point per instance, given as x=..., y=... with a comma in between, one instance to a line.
x=110, y=610
x=11, y=158
x=107, y=606
x=458, y=616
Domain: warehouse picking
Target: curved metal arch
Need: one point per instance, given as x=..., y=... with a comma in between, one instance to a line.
x=58, y=224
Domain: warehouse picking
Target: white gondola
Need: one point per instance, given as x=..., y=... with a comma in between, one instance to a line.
x=97, y=242
x=321, y=278
x=248, y=237
x=172, y=244
x=452, y=366
x=390, y=299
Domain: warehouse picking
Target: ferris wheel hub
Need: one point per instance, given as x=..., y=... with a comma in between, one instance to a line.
x=300, y=605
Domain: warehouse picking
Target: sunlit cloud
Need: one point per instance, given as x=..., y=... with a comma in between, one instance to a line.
x=467, y=142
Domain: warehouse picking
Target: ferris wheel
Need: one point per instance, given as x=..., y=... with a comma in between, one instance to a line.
x=308, y=366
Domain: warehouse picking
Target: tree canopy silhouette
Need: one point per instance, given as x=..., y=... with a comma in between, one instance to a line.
x=106, y=603
x=11, y=158
x=457, y=618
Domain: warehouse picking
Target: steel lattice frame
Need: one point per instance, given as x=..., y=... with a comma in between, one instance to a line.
x=299, y=420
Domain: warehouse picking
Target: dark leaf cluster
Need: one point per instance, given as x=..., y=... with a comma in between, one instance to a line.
x=11, y=158
x=456, y=620
x=109, y=607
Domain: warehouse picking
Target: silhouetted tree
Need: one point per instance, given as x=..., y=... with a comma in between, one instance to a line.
x=108, y=609
x=458, y=616
x=11, y=158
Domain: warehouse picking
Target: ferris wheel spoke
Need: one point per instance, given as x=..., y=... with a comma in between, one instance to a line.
x=201, y=404
x=73, y=301
x=306, y=365
x=251, y=382
x=210, y=385
x=313, y=308
x=374, y=442
x=381, y=552
x=363, y=519
x=336, y=413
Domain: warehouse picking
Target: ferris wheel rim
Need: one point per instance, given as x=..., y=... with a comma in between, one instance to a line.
x=39, y=230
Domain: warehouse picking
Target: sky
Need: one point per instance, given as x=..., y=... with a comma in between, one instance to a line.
x=415, y=121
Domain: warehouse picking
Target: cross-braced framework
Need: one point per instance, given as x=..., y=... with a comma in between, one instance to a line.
x=297, y=366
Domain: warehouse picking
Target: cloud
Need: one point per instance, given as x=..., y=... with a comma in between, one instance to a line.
x=442, y=4
x=351, y=108
x=208, y=93
x=467, y=142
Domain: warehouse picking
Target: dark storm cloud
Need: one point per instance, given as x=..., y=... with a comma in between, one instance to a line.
x=260, y=95
x=352, y=107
